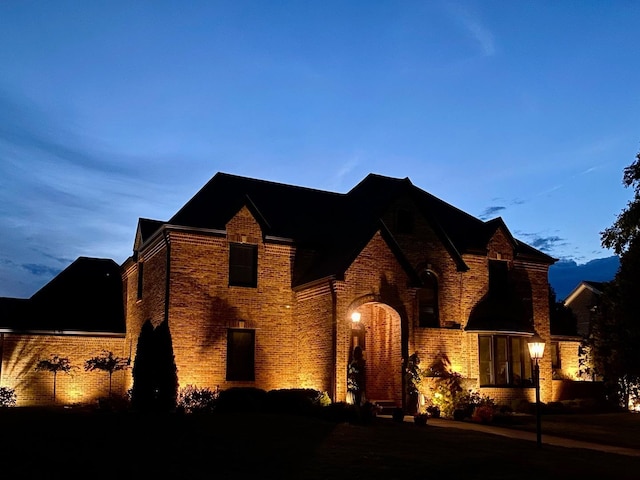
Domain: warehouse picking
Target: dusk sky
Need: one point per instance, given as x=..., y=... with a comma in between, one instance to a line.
x=112, y=111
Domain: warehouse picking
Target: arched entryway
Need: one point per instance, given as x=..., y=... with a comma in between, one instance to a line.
x=376, y=329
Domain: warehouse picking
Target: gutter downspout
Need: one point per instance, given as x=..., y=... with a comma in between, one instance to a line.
x=334, y=339
x=167, y=289
x=1, y=355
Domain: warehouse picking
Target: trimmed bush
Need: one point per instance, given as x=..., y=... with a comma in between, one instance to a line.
x=192, y=399
x=292, y=400
x=242, y=399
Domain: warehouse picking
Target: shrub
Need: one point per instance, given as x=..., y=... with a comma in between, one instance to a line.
x=482, y=414
x=366, y=413
x=292, y=400
x=397, y=414
x=192, y=399
x=7, y=397
x=114, y=403
x=420, y=418
x=323, y=399
x=521, y=406
x=242, y=399
x=433, y=411
x=337, y=412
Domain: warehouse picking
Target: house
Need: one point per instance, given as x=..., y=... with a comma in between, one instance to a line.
x=258, y=282
x=272, y=286
x=584, y=302
x=77, y=315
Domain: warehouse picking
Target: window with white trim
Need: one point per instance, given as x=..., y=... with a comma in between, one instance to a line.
x=504, y=361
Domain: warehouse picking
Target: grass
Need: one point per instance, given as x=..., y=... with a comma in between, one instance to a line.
x=71, y=444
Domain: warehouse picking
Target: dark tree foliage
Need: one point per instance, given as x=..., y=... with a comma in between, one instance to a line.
x=626, y=228
x=106, y=361
x=166, y=379
x=143, y=391
x=612, y=346
x=155, y=378
x=55, y=364
x=616, y=331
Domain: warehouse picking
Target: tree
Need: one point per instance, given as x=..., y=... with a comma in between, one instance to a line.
x=626, y=228
x=106, y=362
x=155, y=378
x=143, y=391
x=612, y=345
x=54, y=365
x=166, y=378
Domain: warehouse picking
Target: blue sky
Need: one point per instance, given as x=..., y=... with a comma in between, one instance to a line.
x=111, y=111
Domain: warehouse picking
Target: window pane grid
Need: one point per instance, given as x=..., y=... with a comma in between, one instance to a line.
x=243, y=265
x=503, y=361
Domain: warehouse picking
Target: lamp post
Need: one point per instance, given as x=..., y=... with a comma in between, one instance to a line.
x=536, y=350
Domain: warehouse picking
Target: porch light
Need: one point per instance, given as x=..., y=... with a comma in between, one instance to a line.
x=355, y=317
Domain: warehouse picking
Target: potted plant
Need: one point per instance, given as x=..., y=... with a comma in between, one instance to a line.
x=397, y=414
x=421, y=418
x=433, y=411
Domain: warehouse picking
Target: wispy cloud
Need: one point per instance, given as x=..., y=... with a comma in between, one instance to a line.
x=475, y=28
x=491, y=212
x=346, y=168
x=63, y=196
x=544, y=243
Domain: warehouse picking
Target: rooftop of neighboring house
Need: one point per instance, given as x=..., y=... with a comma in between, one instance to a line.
x=86, y=297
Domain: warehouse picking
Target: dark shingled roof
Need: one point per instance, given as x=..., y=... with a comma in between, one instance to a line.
x=86, y=297
x=331, y=228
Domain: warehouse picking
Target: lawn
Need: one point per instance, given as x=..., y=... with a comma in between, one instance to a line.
x=39, y=444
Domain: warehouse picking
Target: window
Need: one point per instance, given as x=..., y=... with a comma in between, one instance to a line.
x=554, y=348
x=504, y=361
x=243, y=265
x=428, y=300
x=241, y=354
x=140, y=277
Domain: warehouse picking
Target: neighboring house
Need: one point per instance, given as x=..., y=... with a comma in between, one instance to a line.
x=584, y=301
x=272, y=286
x=76, y=315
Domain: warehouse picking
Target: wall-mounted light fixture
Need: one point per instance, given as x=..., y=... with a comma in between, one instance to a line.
x=355, y=317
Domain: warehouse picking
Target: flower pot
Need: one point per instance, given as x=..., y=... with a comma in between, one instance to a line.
x=420, y=419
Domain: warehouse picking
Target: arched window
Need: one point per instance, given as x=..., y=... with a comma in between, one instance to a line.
x=428, y=300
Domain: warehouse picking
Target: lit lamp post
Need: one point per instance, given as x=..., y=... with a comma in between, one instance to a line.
x=536, y=350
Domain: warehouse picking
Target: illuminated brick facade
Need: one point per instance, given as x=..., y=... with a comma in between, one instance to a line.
x=319, y=257
x=21, y=353
x=303, y=332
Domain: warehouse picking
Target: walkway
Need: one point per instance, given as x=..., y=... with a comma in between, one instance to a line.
x=531, y=436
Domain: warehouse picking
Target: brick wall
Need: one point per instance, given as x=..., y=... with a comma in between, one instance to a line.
x=295, y=342
x=21, y=353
